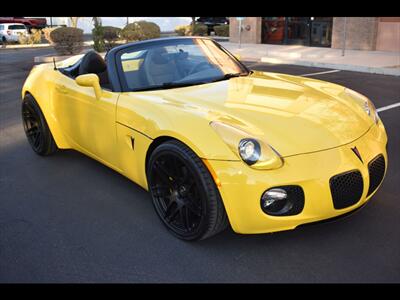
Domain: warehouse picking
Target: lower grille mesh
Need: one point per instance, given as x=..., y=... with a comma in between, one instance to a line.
x=376, y=169
x=346, y=188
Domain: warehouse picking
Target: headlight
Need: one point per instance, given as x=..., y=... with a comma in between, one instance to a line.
x=249, y=150
x=252, y=150
x=365, y=103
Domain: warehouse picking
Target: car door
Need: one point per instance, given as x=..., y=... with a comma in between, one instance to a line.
x=87, y=122
x=16, y=30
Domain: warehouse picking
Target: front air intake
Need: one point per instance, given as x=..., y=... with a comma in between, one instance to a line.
x=376, y=170
x=346, y=188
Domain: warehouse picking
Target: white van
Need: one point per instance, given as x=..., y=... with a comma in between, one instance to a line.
x=9, y=32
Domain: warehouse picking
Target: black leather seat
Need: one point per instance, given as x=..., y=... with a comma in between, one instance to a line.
x=92, y=62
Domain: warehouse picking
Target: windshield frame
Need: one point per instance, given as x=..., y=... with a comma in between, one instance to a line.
x=164, y=42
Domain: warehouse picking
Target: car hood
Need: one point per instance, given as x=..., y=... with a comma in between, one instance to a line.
x=293, y=114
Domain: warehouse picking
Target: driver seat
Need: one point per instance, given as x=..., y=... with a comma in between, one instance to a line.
x=92, y=62
x=159, y=68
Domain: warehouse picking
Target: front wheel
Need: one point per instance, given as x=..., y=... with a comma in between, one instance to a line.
x=184, y=194
x=36, y=129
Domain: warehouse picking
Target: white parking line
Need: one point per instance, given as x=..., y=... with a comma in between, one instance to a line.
x=388, y=107
x=319, y=73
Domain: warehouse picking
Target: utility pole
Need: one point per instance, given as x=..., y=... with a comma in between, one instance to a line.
x=344, y=35
x=240, y=33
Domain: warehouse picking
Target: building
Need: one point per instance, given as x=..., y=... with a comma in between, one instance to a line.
x=362, y=33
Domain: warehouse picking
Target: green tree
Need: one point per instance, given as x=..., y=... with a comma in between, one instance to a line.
x=98, y=35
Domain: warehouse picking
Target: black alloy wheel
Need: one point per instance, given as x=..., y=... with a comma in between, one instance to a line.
x=36, y=128
x=184, y=194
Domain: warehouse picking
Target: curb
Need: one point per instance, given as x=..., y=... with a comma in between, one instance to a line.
x=49, y=58
x=355, y=68
x=15, y=47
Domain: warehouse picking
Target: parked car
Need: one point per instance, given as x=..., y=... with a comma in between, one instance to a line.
x=9, y=32
x=212, y=141
x=37, y=23
x=212, y=21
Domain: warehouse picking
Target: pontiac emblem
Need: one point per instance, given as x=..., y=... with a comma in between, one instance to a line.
x=356, y=152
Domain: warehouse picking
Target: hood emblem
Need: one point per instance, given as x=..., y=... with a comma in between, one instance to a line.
x=356, y=152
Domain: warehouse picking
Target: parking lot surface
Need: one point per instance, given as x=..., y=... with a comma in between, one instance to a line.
x=68, y=218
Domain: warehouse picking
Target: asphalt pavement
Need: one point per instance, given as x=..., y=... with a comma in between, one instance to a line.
x=68, y=218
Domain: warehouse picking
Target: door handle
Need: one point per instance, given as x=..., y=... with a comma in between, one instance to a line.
x=61, y=89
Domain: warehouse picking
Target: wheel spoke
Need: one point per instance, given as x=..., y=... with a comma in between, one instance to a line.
x=171, y=212
x=184, y=218
x=192, y=206
x=37, y=139
x=163, y=173
x=176, y=193
x=32, y=131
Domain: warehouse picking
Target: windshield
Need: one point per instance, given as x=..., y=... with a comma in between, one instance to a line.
x=178, y=63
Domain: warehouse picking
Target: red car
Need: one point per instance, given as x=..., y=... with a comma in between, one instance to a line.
x=37, y=23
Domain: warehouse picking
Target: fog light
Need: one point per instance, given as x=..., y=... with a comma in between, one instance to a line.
x=274, y=200
x=285, y=200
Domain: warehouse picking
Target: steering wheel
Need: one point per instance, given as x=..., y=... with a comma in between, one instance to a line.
x=199, y=66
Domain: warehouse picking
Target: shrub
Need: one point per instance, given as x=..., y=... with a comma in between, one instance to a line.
x=111, y=35
x=105, y=37
x=67, y=40
x=199, y=29
x=181, y=30
x=34, y=38
x=221, y=30
x=141, y=30
x=46, y=31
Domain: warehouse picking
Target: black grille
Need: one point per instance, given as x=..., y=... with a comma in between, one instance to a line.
x=376, y=170
x=346, y=188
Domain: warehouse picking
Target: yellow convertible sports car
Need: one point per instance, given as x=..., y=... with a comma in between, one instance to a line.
x=213, y=142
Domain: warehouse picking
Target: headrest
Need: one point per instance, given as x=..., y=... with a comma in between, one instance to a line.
x=159, y=56
x=92, y=62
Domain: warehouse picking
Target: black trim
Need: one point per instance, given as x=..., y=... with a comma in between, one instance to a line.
x=333, y=219
x=135, y=130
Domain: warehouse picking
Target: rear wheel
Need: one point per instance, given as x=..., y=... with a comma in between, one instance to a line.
x=36, y=129
x=184, y=194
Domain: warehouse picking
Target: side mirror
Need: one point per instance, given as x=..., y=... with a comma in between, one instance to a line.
x=90, y=80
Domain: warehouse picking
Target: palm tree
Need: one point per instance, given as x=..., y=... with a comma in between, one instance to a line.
x=193, y=22
x=74, y=21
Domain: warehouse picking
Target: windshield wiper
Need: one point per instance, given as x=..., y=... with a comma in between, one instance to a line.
x=167, y=85
x=231, y=75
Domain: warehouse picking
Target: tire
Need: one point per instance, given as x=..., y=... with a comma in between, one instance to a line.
x=36, y=129
x=184, y=194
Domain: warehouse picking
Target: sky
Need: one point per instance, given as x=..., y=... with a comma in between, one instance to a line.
x=85, y=23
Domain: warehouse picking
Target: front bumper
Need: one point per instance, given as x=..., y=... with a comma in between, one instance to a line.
x=241, y=187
